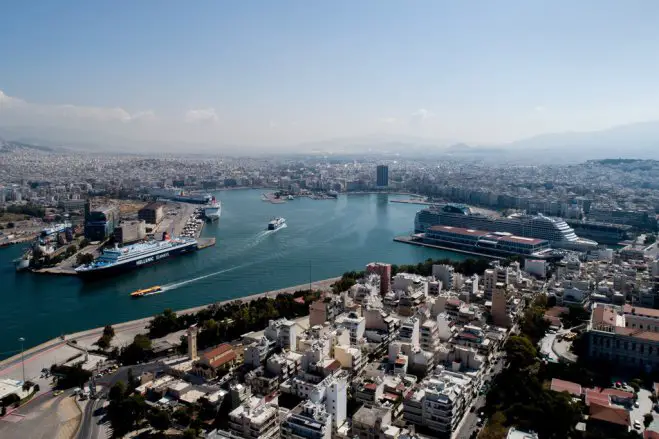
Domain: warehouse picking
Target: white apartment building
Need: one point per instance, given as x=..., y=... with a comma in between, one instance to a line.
x=444, y=273
x=255, y=420
x=355, y=323
x=284, y=332
x=409, y=332
x=439, y=402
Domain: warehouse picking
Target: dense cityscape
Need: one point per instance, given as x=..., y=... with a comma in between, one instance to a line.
x=329, y=220
x=429, y=350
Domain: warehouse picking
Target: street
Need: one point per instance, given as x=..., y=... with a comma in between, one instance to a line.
x=470, y=423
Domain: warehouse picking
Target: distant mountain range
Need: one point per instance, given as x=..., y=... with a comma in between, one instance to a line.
x=7, y=147
x=638, y=140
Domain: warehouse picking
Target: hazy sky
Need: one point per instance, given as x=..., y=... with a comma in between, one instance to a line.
x=282, y=72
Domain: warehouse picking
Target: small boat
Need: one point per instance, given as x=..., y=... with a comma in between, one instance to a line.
x=276, y=223
x=146, y=292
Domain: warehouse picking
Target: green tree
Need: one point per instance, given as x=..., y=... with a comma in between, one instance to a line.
x=520, y=352
x=84, y=242
x=70, y=376
x=190, y=433
x=106, y=337
x=108, y=330
x=117, y=392
x=124, y=411
x=138, y=351
x=647, y=419
x=160, y=420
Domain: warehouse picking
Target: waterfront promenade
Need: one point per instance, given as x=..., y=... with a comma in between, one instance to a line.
x=59, y=349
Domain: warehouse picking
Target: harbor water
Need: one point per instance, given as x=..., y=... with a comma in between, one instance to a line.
x=322, y=239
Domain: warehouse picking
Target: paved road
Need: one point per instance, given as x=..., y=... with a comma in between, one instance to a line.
x=92, y=425
x=470, y=424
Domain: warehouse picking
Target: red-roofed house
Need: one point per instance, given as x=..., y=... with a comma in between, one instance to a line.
x=216, y=360
x=573, y=389
x=593, y=397
x=617, y=396
x=607, y=419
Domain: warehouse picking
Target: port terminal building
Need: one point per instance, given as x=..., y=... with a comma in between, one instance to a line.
x=496, y=243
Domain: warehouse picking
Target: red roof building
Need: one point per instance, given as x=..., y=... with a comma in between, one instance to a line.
x=566, y=386
x=219, y=356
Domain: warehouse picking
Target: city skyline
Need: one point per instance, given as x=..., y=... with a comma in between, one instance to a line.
x=272, y=77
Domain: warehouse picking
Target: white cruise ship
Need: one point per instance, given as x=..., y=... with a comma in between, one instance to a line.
x=555, y=230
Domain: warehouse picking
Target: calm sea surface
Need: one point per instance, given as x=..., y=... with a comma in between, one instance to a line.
x=330, y=236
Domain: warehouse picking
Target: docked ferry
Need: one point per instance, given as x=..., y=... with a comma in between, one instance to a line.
x=146, y=292
x=276, y=223
x=120, y=259
x=213, y=211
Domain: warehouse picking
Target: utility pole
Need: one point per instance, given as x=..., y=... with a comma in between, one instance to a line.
x=21, y=339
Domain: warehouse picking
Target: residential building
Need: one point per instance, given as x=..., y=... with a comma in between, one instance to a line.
x=384, y=271
x=371, y=422
x=354, y=323
x=284, y=332
x=500, y=298
x=439, y=402
x=324, y=310
x=409, y=332
x=444, y=273
x=308, y=420
x=255, y=420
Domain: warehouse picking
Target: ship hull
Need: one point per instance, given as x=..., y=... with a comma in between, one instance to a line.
x=121, y=268
x=212, y=214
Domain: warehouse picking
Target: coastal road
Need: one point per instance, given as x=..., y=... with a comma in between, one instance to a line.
x=57, y=350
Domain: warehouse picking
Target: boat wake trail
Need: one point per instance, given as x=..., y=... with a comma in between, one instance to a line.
x=176, y=285
x=261, y=236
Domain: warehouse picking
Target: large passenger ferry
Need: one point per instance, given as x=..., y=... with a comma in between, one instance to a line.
x=119, y=259
x=213, y=211
x=276, y=223
x=555, y=230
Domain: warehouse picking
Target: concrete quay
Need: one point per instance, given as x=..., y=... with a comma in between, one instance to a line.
x=58, y=350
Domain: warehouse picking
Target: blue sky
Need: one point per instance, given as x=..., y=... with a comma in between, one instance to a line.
x=282, y=72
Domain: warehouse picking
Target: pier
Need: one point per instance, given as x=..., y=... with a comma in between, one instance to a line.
x=411, y=240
